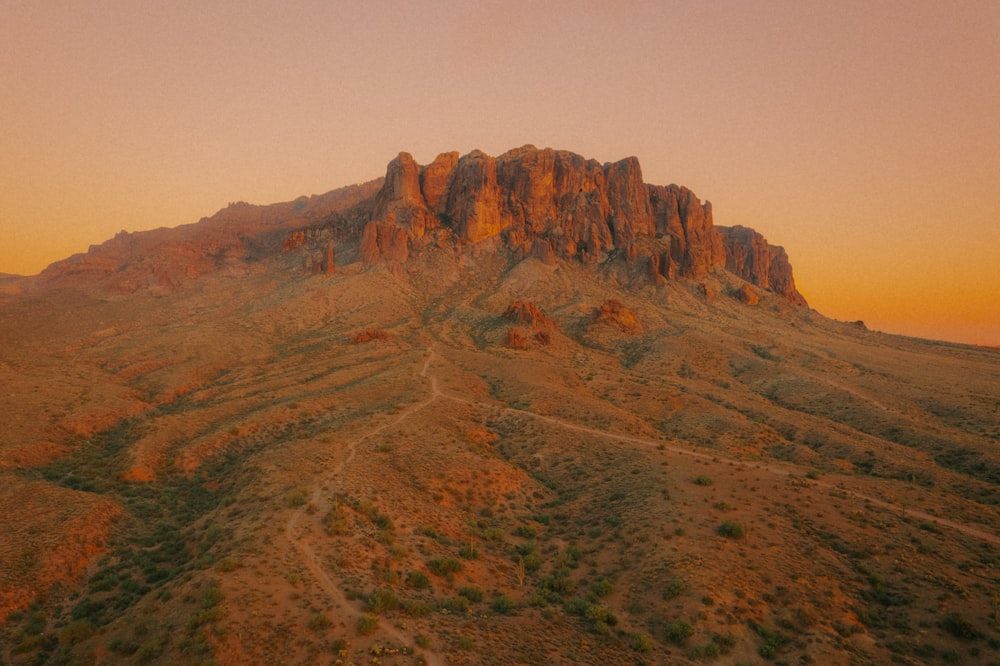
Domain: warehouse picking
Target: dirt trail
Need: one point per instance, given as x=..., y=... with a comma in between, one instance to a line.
x=311, y=561
x=773, y=469
x=308, y=556
x=970, y=530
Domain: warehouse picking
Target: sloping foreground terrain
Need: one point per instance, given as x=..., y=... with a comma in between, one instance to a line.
x=480, y=453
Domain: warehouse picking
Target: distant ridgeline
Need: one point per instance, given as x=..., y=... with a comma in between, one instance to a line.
x=548, y=204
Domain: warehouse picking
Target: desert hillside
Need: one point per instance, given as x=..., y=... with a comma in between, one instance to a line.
x=513, y=410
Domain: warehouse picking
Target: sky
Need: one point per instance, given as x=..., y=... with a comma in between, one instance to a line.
x=864, y=137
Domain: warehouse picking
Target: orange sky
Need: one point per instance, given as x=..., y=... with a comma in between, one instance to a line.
x=864, y=137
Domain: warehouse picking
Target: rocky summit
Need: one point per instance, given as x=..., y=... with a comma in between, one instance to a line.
x=556, y=204
x=543, y=203
x=524, y=409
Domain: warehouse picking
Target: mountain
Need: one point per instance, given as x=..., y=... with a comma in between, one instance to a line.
x=544, y=203
x=228, y=241
x=524, y=409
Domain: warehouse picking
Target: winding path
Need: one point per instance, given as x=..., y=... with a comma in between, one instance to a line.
x=311, y=561
x=308, y=556
x=773, y=469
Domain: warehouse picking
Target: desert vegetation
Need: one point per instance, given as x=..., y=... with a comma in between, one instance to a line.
x=247, y=480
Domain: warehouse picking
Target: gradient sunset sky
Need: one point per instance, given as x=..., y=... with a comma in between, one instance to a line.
x=864, y=137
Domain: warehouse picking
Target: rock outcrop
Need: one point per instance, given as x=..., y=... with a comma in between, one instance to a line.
x=526, y=312
x=544, y=203
x=329, y=265
x=554, y=204
x=435, y=181
x=400, y=200
x=515, y=340
x=746, y=294
x=296, y=240
x=615, y=313
x=383, y=240
x=695, y=246
x=752, y=258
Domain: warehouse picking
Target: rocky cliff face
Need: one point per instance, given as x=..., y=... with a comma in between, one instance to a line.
x=695, y=247
x=749, y=256
x=549, y=204
x=544, y=202
x=556, y=204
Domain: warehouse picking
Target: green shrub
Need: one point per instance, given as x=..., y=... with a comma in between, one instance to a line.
x=532, y=563
x=570, y=557
x=418, y=580
x=959, y=627
x=597, y=613
x=526, y=531
x=335, y=522
x=726, y=642
x=503, y=605
x=473, y=593
x=494, y=534
x=416, y=607
x=367, y=624
x=558, y=583
x=228, y=563
x=673, y=589
x=319, y=622
x=297, y=496
x=212, y=595
x=730, y=529
x=382, y=600
x=455, y=605
x=773, y=640
x=206, y=616
x=702, y=481
x=76, y=631
x=641, y=643
x=36, y=623
x=708, y=651
x=152, y=649
x=600, y=628
x=577, y=606
x=678, y=633
x=601, y=588
x=444, y=566
x=380, y=520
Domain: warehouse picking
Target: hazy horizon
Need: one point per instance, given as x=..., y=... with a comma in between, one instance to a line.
x=862, y=139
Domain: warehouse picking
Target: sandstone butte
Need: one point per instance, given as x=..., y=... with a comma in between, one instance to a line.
x=556, y=204
x=543, y=203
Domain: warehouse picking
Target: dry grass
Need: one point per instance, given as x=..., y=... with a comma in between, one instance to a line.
x=334, y=492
